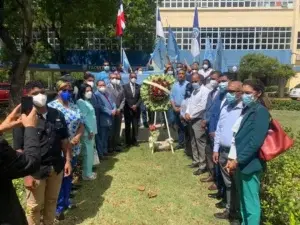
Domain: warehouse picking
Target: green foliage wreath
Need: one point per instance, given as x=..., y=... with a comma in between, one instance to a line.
x=155, y=92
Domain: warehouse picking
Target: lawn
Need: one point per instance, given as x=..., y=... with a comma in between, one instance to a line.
x=181, y=199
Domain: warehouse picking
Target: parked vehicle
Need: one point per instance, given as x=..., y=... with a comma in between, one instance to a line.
x=5, y=92
x=295, y=92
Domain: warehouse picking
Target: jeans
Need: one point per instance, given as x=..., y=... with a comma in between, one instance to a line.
x=180, y=128
x=102, y=140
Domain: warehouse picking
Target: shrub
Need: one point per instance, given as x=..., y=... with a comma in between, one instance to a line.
x=273, y=88
x=281, y=188
x=284, y=104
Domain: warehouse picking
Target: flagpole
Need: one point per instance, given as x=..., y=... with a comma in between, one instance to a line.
x=121, y=48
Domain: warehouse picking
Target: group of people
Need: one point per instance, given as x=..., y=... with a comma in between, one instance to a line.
x=222, y=124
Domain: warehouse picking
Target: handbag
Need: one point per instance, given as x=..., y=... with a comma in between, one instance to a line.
x=276, y=142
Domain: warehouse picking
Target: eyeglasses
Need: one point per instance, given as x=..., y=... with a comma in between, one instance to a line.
x=232, y=91
x=195, y=81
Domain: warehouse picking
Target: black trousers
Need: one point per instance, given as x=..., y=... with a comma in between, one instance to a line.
x=209, y=154
x=131, y=124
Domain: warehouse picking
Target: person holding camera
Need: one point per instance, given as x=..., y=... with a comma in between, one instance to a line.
x=43, y=186
x=14, y=164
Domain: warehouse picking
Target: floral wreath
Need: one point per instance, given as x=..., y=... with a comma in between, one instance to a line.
x=155, y=92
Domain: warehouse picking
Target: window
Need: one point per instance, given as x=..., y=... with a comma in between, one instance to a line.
x=298, y=41
x=226, y=3
x=237, y=37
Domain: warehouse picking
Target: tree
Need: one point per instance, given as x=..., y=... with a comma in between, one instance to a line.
x=18, y=13
x=262, y=67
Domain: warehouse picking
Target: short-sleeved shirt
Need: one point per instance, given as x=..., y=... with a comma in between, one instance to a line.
x=52, y=130
x=178, y=92
x=73, y=119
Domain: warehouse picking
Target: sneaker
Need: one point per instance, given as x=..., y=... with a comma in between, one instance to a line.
x=92, y=177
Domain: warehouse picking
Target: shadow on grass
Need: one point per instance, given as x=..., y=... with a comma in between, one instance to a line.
x=90, y=196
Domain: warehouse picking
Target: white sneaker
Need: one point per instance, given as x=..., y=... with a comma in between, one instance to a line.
x=92, y=177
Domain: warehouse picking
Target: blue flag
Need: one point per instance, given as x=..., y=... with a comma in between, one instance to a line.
x=219, y=63
x=195, y=46
x=208, y=54
x=126, y=64
x=159, y=56
x=173, y=49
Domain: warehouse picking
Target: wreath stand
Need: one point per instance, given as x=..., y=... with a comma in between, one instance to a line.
x=168, y=142
x=153, y=143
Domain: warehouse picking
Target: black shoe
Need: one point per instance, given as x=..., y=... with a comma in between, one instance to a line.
x=136, y=144
x=118, y=150
x=199, y=172
x=103, y=158
x=193, y=165
x=75, y=187
x=179, y=147
x=221, y=205
x=223, y=215
x=60, y=216
x=218, y=195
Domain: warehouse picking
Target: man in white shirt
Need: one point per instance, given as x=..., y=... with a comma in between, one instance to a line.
x=194, y=115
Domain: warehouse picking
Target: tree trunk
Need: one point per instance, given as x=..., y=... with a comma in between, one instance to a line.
x=31, y=75
x=281, y=85
x=18, y=75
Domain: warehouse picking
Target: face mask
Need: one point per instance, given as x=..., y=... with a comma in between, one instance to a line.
x=102, y=89
x=214, y=83
x=88, y=95
x=65, y=96
x=194, y=71
x=170, y=73
x=133, y=80
x=39, y=100
x=113, y=81
x=118, y=82
x=248, y=99
x=230, y=97
x=140, y=72
x=205, y=66
x=91, y=83
x=196, y=85
x=223, y=86
x=106, y=68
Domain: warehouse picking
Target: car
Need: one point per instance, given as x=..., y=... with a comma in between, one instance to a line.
x=295, y=92
x=5, y=92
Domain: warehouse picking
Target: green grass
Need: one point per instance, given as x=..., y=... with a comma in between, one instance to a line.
x=288, y=118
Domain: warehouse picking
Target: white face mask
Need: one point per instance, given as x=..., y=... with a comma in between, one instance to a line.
x=39, y=100
x=133, y=80
x=118, y=82
x=113, y=81
x=140, y=72
x=91, y=83
x=214, y=83
x=170, y=72
x=205, y=66
x=102, y=89
x=88, y=95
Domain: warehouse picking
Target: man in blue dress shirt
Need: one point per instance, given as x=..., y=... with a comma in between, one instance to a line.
x=104, y=75
x=177, y=96
x=222, y=143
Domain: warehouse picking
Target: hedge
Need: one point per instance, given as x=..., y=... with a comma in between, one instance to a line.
x=281, y=188
x=290, y=105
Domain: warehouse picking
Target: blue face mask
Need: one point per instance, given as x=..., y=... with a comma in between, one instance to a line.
x=223, y=86
x=106, y=68
x=65, y=96
x=231, y=98
x=196, y=86
x=248, y=99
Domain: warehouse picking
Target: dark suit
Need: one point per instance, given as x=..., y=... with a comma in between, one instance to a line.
x=131, y=116
x=15, y=165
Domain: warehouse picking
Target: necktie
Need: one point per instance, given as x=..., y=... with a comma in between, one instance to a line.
x=133, y=90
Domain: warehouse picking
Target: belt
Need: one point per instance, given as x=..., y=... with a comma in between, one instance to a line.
x=224, y=149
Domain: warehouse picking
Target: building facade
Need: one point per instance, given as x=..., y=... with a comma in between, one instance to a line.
x=268, y=26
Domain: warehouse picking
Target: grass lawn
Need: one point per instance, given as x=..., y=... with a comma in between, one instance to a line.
x=181, y=199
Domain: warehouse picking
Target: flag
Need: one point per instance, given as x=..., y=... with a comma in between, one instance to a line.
x=195, y=47
x=120, y=20
x=159, y=26
x=125, y=62
x=173, y=49
x=208, y=54
x=219, y=63
x=159, y=56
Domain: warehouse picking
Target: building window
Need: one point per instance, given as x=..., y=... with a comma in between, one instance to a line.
x=226, y=3
x=298, y=41
x=237, y=37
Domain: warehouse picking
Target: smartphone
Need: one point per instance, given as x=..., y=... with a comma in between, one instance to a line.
x=26, y=105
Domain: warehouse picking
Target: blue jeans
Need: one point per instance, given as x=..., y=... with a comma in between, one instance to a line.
x=144, y=113
x=102, y=140
x=180, y=128
x=63, y=201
